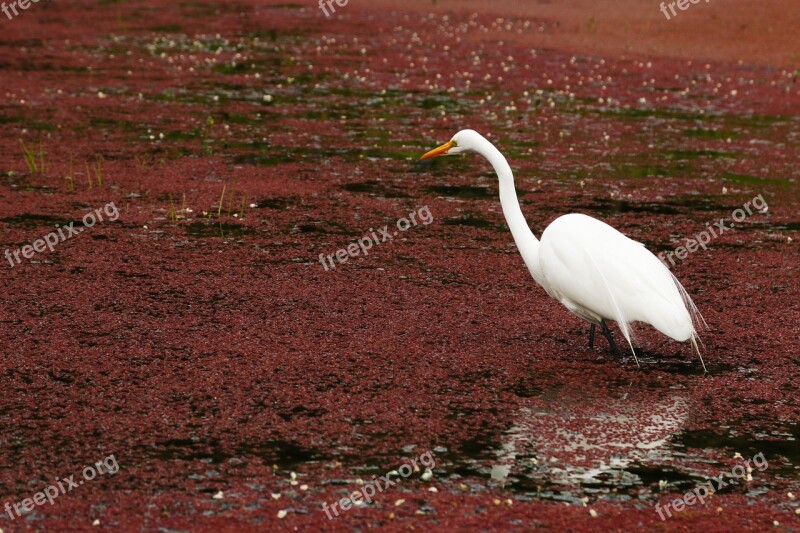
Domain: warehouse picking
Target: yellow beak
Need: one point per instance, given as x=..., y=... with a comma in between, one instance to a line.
x=441, y=150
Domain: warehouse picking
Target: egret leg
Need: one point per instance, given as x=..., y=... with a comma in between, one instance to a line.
x=607, y=334
x=591, y=336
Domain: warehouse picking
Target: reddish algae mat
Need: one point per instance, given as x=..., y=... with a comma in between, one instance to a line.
x=236, y=300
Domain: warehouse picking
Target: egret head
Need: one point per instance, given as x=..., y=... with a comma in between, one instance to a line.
x=462, y=142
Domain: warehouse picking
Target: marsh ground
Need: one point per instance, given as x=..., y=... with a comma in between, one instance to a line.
x=199, y=340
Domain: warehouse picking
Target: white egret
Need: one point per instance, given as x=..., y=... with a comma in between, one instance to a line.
x=591, y=268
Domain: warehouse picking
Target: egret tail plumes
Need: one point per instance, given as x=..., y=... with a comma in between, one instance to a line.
x=591, y=268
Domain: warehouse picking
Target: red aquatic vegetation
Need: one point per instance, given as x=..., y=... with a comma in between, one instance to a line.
x=199, y=339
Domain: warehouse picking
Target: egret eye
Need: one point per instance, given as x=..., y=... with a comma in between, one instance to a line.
x=455, y=144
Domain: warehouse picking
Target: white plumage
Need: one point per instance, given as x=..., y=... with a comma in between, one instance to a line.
x=591, y=268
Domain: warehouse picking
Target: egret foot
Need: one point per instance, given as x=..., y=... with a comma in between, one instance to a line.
x=607, y=334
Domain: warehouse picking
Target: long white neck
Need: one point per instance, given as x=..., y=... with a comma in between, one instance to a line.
x=526, y=241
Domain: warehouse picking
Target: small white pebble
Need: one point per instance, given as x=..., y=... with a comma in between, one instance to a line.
x=427, y=475
x=253, y=205
x=790, y=495
x=303, y=487
x=737, y=455
x=399, y=502
x=275, y=495
x=776, y=523
x=218, y=496
x=95, y=523
x=430, y=489
x=592, y=513
x=282, y=513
